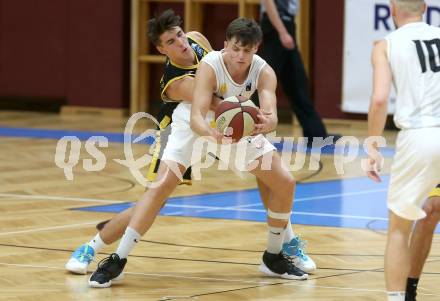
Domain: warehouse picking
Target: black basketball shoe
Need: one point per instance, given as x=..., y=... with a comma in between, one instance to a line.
x=411, y=297
x=281, y=265
x=109, y=269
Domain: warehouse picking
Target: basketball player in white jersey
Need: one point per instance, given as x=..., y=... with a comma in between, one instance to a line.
x=176, y=85
x=177, y=154
x=410, y=59
x=237, y=70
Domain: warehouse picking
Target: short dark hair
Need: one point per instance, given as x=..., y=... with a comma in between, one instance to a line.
x=164, y=22
x=246, y=31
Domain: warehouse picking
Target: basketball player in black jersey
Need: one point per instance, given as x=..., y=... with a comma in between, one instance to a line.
x=183, y=52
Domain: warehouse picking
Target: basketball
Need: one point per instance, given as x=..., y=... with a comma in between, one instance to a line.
x=237, y=113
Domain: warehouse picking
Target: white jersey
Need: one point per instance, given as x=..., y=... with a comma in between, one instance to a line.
x=414, y=56
x=183, y=146
x=225, y=85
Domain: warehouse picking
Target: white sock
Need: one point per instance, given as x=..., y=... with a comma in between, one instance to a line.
x=129, y=240
x=396, y=296
x=288, y=235
x=275, y=240
x=97, y=243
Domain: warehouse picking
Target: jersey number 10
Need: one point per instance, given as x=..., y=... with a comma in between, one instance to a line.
x=432, y=56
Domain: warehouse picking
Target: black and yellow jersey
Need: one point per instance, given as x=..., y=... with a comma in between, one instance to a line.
x=171, y=73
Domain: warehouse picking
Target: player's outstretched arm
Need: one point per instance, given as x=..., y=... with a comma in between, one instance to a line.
x=182, y=89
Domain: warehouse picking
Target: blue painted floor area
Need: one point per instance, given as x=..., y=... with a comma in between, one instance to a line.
x=349, y=203
x=37, y=133
x=355, y=203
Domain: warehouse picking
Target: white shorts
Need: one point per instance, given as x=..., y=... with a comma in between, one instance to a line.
x=415, y=171
x=183, y=144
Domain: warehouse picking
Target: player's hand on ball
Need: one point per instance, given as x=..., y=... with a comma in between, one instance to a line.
x=235, y=117
x=265, y=123
x=218, y=137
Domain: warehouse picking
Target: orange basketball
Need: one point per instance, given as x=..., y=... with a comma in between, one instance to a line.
x=237, y=113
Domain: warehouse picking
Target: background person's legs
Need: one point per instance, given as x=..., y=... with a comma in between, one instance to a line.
x=290, y=72
x=295, y=84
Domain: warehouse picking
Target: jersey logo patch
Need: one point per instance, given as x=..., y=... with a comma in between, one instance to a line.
x=199, y=50
x=223, y=89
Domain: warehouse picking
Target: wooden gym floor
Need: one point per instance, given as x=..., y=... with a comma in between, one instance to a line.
x=181, y=258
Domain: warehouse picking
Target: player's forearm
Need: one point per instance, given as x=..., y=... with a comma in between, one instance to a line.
x=198, y=124
x=181, y=90
x=268, y=104
x=377, y=116
x=273, y=122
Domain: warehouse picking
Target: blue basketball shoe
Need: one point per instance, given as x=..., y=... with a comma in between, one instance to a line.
x=296, y=250
x=80, y=259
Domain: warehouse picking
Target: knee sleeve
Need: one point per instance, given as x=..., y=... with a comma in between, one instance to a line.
x=277, y=215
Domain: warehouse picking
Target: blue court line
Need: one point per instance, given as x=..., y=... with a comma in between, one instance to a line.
x=37, y=133
x=58, y=134
x=350, y=203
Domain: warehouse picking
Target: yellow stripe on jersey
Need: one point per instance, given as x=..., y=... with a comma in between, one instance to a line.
x=162, y=94
x=152, y=169
x=152, y=174
x=435, y=192
x=186, y=67
x=165, y=122
x=186, y=182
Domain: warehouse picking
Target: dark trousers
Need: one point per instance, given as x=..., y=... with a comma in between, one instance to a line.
x=290, y=71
